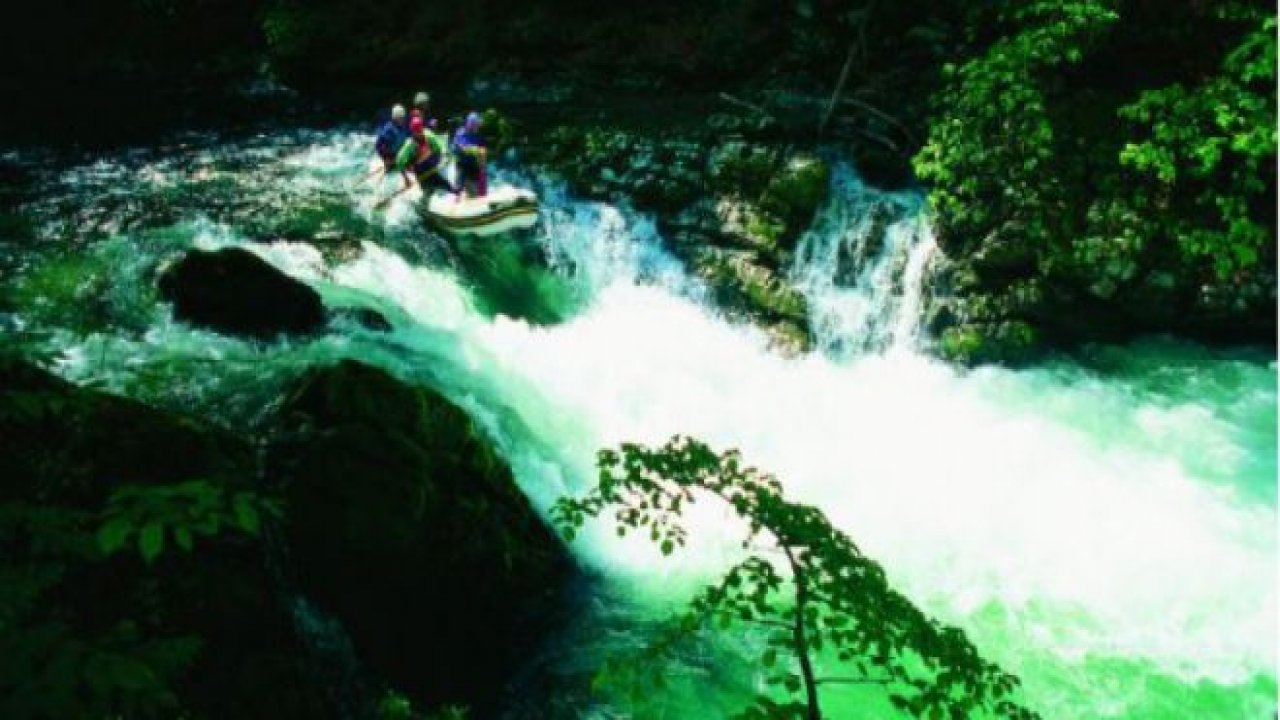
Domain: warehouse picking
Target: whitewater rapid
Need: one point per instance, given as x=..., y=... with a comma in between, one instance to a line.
x=1110, y=540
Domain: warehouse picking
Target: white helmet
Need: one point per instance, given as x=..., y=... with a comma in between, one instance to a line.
x=397, y=112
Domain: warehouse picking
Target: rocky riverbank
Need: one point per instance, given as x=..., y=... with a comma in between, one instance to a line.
x=366, y=543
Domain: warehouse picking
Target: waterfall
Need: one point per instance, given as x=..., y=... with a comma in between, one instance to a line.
x=861, y=267
x=1108, y=534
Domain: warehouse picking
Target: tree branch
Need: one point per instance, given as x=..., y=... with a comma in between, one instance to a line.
x=800, y=639
x=735, y=100
x=835, y=95
x=864, y=105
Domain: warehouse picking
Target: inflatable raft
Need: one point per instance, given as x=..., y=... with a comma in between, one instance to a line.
x=504, y=208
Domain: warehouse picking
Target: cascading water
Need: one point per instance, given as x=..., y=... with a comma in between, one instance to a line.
x=1104, y=530
x=861, y=267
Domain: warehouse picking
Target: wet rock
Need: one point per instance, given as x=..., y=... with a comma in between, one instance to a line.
x=796, y=191
x=741, y=167
x=729, y=207
x=1011, y=343
x=63, y=451
x=234, y=291
x=742, y=284
x=408, y=528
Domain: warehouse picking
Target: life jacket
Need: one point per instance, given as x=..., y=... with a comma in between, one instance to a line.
x=407, y=154
x=436, y=141
x=466, y=143
x=389, y=139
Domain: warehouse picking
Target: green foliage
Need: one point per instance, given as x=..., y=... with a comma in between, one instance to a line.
x=1149, y=187
x=394, y=706
x=824, y=596
x=1204, y=152
x=181, y=511
x=286, y=29
x=990, y=153
x=49, y=665
x=449, y=712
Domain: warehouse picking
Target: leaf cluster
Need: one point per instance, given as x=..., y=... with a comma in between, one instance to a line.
x=817, y=597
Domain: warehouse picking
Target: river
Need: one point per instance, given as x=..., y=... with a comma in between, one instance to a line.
x=1103, y=526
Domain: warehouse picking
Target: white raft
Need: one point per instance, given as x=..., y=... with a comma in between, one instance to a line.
x=504, y=208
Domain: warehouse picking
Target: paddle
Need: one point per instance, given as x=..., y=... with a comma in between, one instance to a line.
x=387, y=200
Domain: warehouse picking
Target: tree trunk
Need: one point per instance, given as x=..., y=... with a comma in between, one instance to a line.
x=801, y=641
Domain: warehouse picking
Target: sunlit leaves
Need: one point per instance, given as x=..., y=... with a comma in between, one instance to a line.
x=1185, y=194
x=817, y=594
x=1209, y=146
x=990, y=151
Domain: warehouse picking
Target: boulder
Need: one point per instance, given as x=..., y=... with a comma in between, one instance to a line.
x=63, y=451
x=235, y=292
x=796, y=190
x=408, y=528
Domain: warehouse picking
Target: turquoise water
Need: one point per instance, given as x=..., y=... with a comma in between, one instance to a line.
x=1105, y=527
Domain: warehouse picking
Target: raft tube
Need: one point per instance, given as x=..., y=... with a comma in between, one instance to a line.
x=505, y=208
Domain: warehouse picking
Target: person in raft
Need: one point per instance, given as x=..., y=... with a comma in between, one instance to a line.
x=421, y=109
x=391, y=136
x=423, y=154
x=469, y=149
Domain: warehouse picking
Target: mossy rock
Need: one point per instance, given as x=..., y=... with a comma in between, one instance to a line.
x=408, y=528
x=1012, y=343
x=742, y=168
x=796, y=192
x=742, y=284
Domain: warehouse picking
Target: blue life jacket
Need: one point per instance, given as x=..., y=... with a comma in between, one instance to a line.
x=389, y=138
x=464, y=141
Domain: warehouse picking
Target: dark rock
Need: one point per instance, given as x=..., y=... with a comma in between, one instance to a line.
x=233, y=291
x=1003, y=254
x=77, y=445
x=65, y=449
x=408, y=528
x=883, y=168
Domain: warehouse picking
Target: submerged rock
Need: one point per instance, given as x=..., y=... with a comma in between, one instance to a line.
x=407, y=527
x=234, y=291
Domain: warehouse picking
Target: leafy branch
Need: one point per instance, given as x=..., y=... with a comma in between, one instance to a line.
x=181, y=511
x=825, y=600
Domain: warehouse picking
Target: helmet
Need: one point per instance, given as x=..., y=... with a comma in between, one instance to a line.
x=421, y=98
x=415, y=125
x=473, y=120
x=397, y=112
